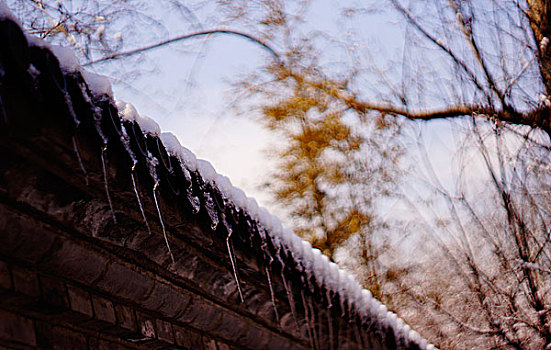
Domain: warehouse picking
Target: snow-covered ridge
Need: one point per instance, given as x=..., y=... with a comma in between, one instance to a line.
x=314, y=262
x=68, y=62
x=326, y=272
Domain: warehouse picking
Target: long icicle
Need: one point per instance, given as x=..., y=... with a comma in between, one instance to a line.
x=139, y=200
x=228, y=244
x=291, y=300
x=69, y=104
x=106, y=184
x=162, y=223
x=79, y=158
x=307, y=319
x=357, y=334
x=339, y=321
x=272, y=294
x=330, y=327
x=3, y=110
x=126, y=143
x=313, y=322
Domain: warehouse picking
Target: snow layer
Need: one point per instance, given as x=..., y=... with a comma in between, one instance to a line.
x=98, y=84
x=328, y=273
x=68, y=61
x=128, y=112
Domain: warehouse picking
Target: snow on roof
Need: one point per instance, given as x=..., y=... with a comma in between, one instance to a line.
x=315, y=264
x=68, y=62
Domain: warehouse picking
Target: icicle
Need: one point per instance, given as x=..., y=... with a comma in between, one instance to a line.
x=211, y=211
x=339, y=322
x=358, y=337
x=262, y=234
x=79, y=158
x=139, y=201
x=107, y=186
x=126, y=143
x=193, y=200
x=330, y=327
x=263, y=248
x=364, y=336
x=307, y=319
x=290, y=298
x=69, y=104
x=233, y=264
x=318, y=327
x=3, y=110
x=328, y=296
x=315, y=334
x=82, y=87
x=161, y=221
x=97, y=120
x=272, y=292
x=342, y=305
x=152, y=162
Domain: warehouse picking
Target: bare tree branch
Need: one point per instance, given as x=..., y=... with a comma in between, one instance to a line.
x=249, y=37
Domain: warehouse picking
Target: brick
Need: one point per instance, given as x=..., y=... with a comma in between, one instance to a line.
x=209, y=344
x=164, y=331
x=22, y=236
x=53, y=291
x=54, y=337
x=187, y=338
x=125, y=317
x=231, y=326
x=124, y=282
x=146, y=325
x=17, y=328
x=25, y=281
x=166, y=300
x=100, y=344
x=203, y=316
x=35, y=240
x=80, y=301
x=255, y=339
x=279, y=343
x=222, y=346
x=5, y=278
x=222, y=284
x=79, y=263
x=103, y=309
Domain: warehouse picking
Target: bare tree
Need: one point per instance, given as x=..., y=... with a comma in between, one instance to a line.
x=485, y=283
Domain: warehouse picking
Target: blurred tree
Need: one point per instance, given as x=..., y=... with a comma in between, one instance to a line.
x=331, y=170
x=333, y=164
x=486, y=283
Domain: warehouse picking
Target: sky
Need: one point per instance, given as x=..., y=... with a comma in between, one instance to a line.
x=190, y=93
